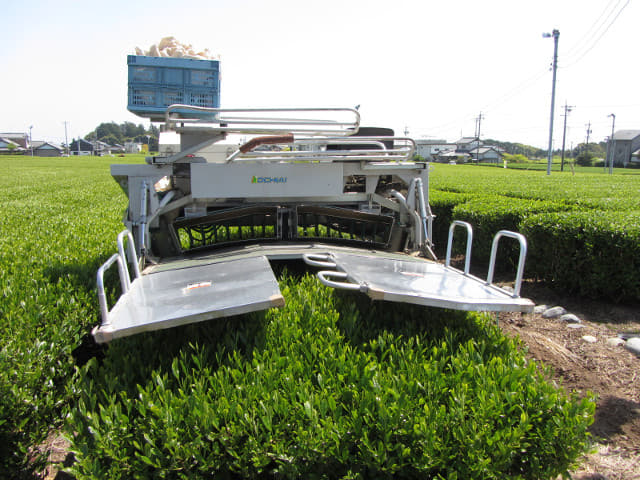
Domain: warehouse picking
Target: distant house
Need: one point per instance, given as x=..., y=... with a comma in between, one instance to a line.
x=486, y=154
x=81, y=147
x=47, y=149
x=627, y=143
x=101, y=148
x=21, y=139
x=10, y=147
x=430, y=149
x=451, y=156
x=132, y=147
x=466, y=144
x=117, y=148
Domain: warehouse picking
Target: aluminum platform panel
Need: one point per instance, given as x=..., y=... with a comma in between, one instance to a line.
x=426, y=283
x=180, y=296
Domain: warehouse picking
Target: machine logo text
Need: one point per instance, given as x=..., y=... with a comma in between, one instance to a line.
x=255, y=179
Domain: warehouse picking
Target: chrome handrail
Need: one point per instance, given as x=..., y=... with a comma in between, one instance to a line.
x=523, y=253
x=263, y=120
x=467, y=256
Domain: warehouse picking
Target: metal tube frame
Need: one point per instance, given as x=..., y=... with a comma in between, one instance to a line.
x=467, y=258
x=132, y=252
x=123, y=272
x=102, y=297
x=397, y=154
x=263, y=124
x=324, y=276
x=417, y=233
x=523, y=253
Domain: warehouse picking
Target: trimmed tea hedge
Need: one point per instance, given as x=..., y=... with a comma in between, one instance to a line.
x=584, y=190
x=340, y=373
x=442, y=205
x=60, y=218
x=330, y=386
x=590, y=253
x=606, y=205
x=490, y=214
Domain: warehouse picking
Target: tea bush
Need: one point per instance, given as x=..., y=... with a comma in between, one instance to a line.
x=489, y=215
x=584, y=190
x=442, y=204
x=504, y=199
x=57, y=227
x=330, y=386
x=593, y=253
x=355, y=389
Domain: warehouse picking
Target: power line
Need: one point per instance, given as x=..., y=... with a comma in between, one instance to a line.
x=518, y=89
x=576, y=47
x=595, y=42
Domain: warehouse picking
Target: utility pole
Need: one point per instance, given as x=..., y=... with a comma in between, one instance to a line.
x=567, y=109
x=66, y=139
x=586, y=147
x=612, y=143
x=555, y=34
x=479, y=122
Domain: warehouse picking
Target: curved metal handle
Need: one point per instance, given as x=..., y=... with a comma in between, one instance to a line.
x=318, y=260
x=102, y=297
x=322, y=276
x=523, y=253
x=467, y=256
x=132, y=252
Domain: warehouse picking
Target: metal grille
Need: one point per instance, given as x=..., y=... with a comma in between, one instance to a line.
x=342, y=225
x=232, y=226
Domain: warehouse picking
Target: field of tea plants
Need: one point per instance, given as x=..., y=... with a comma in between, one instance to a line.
x=583, y=230
x=330, y=386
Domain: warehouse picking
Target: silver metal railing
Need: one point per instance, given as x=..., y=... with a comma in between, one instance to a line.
x=523, y=253
x=123, y=272
x=345, y=121
x=403, y=150
x=467, y=257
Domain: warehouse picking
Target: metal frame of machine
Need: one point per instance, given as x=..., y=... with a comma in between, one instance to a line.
x=207, y=215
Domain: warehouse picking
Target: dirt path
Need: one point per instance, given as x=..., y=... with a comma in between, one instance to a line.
x=610, y=372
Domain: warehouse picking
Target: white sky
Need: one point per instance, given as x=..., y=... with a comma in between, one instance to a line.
x=430, y=66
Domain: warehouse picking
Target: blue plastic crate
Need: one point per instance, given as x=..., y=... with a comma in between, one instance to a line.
x=157, y=82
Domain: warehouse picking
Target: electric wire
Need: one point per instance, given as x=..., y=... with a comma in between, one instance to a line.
x=576, y=47
x=597, y=40
x=580, y=49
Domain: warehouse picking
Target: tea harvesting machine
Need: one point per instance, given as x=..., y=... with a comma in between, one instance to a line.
x=233, y=190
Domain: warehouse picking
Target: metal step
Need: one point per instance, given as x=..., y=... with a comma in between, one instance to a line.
x=174, y=297
x=414, y=280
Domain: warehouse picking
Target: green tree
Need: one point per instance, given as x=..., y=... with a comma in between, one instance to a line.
x=585, y=158
x=105, y=130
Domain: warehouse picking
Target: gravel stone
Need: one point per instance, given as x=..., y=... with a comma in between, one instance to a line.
x=554, y=312
x=540, y=309
x=633, y=345
x=589, y=339
x=615, y=342
x=570, y=318
x=575, y=326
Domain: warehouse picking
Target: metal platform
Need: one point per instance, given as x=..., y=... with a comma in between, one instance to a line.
x=176, y=297
x=412, y=280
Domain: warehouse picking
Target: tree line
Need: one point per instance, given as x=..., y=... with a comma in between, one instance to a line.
x=113, y=133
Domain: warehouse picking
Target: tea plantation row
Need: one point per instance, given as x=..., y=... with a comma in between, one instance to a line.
x=331, y=386
x=583, y=231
